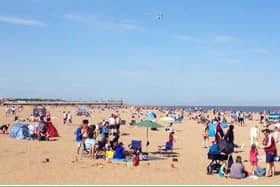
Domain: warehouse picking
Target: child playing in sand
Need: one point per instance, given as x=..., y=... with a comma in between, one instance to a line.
x=254, y=154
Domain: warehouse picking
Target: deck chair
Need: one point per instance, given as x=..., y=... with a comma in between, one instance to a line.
x=136, y=146
x=166, y=149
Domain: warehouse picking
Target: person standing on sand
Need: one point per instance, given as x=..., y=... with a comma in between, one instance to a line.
x=64, y=117
x=69, y=117
x=79, y=138
x=219, y=133
x=254, y=157
x=206, y=136
x=254, y=134
x=270, y=149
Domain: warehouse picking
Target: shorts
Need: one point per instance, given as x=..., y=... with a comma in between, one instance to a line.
x=270, y=157
x=79, y=144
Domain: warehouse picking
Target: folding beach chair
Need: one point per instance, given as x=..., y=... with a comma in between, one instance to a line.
x=136, y=145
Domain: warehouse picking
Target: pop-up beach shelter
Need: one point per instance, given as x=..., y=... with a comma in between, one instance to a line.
x=151, y=116
x=83, y=112
x=19, y=131
x=37, y=111
x=52, y=131
x=274, y=117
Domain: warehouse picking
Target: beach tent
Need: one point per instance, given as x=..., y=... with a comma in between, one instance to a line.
x=19, y=131
x=83, y=112
x=151, y=116
x=178, y=119
x=52, y=131
x=274, y=117
x=39, y=110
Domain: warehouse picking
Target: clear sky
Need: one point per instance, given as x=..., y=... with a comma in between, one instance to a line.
x=179, y=52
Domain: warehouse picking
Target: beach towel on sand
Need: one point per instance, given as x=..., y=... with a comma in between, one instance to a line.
x=122, y=161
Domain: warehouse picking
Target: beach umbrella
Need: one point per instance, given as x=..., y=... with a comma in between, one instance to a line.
x=148, y=124
x=151, y=116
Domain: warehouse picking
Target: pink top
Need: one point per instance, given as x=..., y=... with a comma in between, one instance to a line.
x=254, y=156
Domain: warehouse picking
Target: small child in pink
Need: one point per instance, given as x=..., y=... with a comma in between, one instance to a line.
x=254, y=155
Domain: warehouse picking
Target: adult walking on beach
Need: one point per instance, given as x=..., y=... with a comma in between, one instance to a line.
x=219, y=133
x=270, y=149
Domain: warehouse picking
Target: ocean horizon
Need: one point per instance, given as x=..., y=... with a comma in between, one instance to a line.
x=226, y=108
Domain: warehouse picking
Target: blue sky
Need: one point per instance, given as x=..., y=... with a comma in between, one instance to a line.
x=197, y=53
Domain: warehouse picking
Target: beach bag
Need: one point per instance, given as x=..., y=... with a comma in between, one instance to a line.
x=260, y=172
x=226, y=147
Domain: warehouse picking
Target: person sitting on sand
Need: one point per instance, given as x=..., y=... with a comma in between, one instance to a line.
x=4, y=129
x=237, y=169
x=120, y=152
x=109, y=154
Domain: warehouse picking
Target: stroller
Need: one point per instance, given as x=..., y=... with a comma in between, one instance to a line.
x=216, y=158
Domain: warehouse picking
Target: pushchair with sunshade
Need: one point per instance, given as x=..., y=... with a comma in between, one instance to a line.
x=216, y=158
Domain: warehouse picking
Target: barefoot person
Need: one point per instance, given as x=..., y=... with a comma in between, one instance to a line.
x=254, y=154
x=270, y=149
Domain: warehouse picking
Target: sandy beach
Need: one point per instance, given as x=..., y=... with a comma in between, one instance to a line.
x=22, y=160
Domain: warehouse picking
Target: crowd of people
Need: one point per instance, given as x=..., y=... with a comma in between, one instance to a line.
x=226, y=145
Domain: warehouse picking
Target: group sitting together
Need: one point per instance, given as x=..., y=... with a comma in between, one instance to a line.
x=98, y=139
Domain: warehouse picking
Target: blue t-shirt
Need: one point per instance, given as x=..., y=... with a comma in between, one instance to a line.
x=79, y=135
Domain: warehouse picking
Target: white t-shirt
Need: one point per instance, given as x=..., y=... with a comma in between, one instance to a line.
x=69, y=116
x=254, y=132
x=112, y=121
